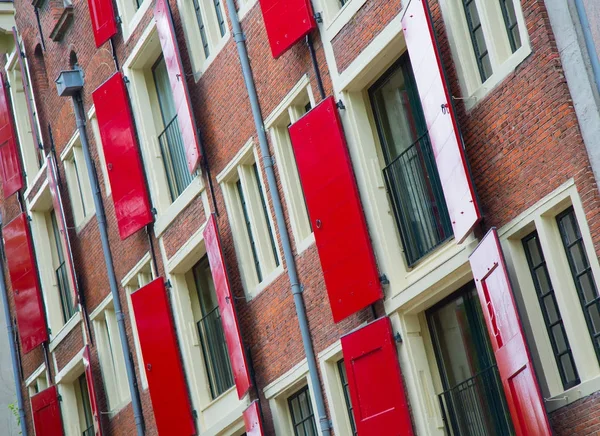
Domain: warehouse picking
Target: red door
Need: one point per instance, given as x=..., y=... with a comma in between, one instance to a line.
x=375, y=381
x=160, y=351
x=335, y=210
x=508, y=342
x=45, y=409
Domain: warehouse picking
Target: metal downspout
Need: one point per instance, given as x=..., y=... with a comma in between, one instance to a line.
x=110, y=270
x=589, y=41
x=240, y=41
x=12, y=346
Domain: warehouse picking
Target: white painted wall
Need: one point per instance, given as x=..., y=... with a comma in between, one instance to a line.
x=8, y=422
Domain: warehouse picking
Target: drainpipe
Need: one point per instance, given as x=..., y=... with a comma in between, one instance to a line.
x=12, y=345
x=285, y=239
x=589, y=41
x=70, y=83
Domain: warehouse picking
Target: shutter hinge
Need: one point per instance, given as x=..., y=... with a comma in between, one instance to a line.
x=29, y=219
x=319, y=17
x=60, y=398
x=125, y=79
x=340, y=105
x=398, y=338
x=384, y=280
x=154, y=211
x=195, y=414
x=445, y=108
x=118, y=19
x=168, y=284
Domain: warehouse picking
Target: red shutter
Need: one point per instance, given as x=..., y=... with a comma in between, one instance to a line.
x=26, y=80
x=375, y=381
x=45, y=408
x=10, y=163
x=231, y=327
x=103, y=19
x=512, y=355
x=177, y=77
x=287, y=22
x=25, y=284
x=440, y=117
x=89, y=377
x=122, y=156
x=335, y=210
x=252, y=420
x=52, y=174
x=158, y=341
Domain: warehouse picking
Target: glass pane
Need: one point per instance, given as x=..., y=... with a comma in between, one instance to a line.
x=551, y=309
x=541, y=274
x=304, y=405
x=296, y=413
x=568, y=368
x=163, y=89
x=534, y=253
x=205, y=286
x=473, y=14
x=594, y=312
x=559, y=338
x=588, y=289
x=578, y=258
x=486, y=65
x=516, y=36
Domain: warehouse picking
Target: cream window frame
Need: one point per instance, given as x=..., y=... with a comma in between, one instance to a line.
x=146, y=111
x=66, y=381
x=244, y=6
x=140, y=275
x=240, y=169
x=191, y=27
x=217, y=415
x=542, y=218
x=78, y=182
x=502, y=59
x=290, y=110
x=130, y=16
x=110, y=353
x=37, y=381
x=278, y=392
x=93, y=119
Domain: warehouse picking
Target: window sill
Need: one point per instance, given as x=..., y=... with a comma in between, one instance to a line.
x=495, y=79
x=305, y=244
x=117, y=409
x=342, y=17
x=243, y=11
x=204, y=66
x=222, y=413
x=569, y=396
x=84, y=222
x=190, y=193
x=268, y=280
x=40, y=173
x=64, y=331
x=129, y=28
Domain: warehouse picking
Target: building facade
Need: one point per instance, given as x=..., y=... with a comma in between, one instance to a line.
x=297, y=218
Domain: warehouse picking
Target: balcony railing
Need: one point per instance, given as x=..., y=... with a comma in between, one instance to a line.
x=175, y=161
x=417, y=199
x=215, y=353
x=476, y=407
x=66, y=301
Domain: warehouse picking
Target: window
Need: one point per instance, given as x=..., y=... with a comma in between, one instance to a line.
x=253, y=229
x=112, y=360
x=84, y=408
x=206, y=31
x=294, y=105
x=582, y=273
x=344, y=381
x=78, y=182
x=488, y=40
x=210, y=330
x=301, y=412
x=131, y=13
x=410, y=171
x=550, y=311
x=170, y=140
x=37, y=382
x=60, y=268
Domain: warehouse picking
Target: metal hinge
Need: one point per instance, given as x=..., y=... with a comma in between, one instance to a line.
x=195, y=414
x=168, y=284
x=398, y=338
x=384, y=280
x=340, y=105
x=318, y=17
x=118, y=19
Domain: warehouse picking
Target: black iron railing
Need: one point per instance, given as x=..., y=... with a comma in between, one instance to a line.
x=64, y=291
x=417, y=199
x=215, y=353
x=174, y=159
x=89, y=431
x=476, y=407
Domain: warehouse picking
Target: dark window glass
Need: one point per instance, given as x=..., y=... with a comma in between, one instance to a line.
x=550, y=311
x=344, y=381
x=582, y=273
x=512, y=26
x=303, y=419
x=61, y=272
x=477, y=38
x=266, y=213
x=86, y=408
x=249, y=230
x=220, y=18
x=202, y=28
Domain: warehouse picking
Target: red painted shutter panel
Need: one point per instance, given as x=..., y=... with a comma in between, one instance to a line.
x=104, y=24
x=335, y=210
x=23, y=274
x=45, y=409
x=375, y=381
x=158, y=341
x=287, y=22
x=52, y=174
x=177, y=78
x=89, y=378
x=440, y=117
x=28, y=95
x=508, y=341
x=253, y=421
x=10, y=163
x=122, y=156
x=231, y=327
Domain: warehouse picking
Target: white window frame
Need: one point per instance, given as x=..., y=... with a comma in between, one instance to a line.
x=240, y=168
x=37, y=380
x=502, y=59
x=130, y=16
x=289, y=111
x=278, y=392
x=93, y=119
x=542, y=218
x=191, y=27
x=78, y=182
x=146, y=111
x=110, y=354
x=244, y=6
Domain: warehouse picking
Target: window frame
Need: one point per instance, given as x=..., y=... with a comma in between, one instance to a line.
x=304, y=419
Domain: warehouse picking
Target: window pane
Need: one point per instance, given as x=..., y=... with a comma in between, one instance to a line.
x=266, y=213
x=478, y=39
x=512, y=26
x=595, y=317
x=249, y=230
